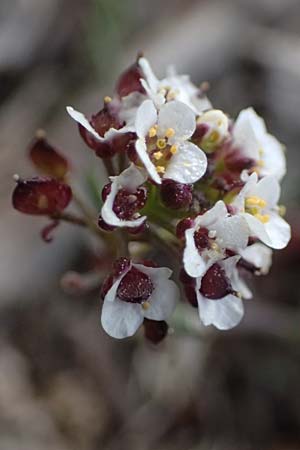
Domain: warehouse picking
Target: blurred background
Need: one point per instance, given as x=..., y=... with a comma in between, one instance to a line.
x=64, y=384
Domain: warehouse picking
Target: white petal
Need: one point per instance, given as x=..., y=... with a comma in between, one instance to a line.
x=229, y=265
x=257, y=228
x=224, y=314
x=131, y=178
x=163, y=300
x=146, y=117
x=80, y=118
x=217, y=121
x=259, y=255
x=209, y=219
x=148, y=74
x=112, y=292
x=273, y=157
x=232, y=232
x=165, y=295
x=244, y=135
x=247, y=190
x=279, y=232
x=268, y=189
x=194, y=264
x=188, y=165
x=141, y=150
x=240, y=286
x=121, y=319
x=179, y=117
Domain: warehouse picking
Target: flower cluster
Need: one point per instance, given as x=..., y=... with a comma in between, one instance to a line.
x=184, y=179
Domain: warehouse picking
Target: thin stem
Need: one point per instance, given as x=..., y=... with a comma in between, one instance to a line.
x=71, y=218
x=109, y=166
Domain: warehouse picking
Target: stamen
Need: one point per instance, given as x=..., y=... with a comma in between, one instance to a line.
x=145, y=305
x=214, y=136
x=170, y=132
x=255, y=201
x=264, y=218
x=281, y=210
x=161, y=143
x=157, y=155
x=107, y=99
x=160, y=169
x=152, y=132
x=173, y=149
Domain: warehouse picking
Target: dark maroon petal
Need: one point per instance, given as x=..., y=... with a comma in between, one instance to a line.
x=200, y=132
x=215, y=284
x=182, y=226
x=122, y=143
x=155, y=330
x=47, y=159
x=201, y=238
x=149, y=263
x=129, y=81
x=135, y=287
x=105, y=226
x=120, y=266
x=41, y=196
x=47, y=231
x=176, y=195
x=126, y=203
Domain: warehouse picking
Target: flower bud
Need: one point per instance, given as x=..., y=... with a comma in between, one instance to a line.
x=176, y=195
x=41, y=196
x=47, y=159
x=129, y=81
x=104, y=226
x=155, y=330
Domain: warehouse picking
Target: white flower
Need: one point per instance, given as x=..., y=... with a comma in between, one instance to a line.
x=257, y=203
x=121, y=318
x=223, y=312
x=109, y=134
x=217, y=126
x=130, y=180
x=173, y=87
x=221, y=231
x=163, y=145
x=252, y=139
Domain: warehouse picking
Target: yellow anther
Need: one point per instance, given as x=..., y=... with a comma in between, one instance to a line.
x=239, y=295
x=214, y=137
x=260, y=163
x=173, y=149
x=161, y=143
x=160, y=169
x=171, y=95
x=264, y=218
x=157, y=155
x=256, y=201
x=42, y=202
x=145, y=305
x=152, y=132
x=282, y=210
x=107, y=99
x=260, y=152
x=214, y=246
x=170, y=132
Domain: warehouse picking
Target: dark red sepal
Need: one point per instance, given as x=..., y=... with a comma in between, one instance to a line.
x=42, y=196
x=129, y=81
x=47, y=159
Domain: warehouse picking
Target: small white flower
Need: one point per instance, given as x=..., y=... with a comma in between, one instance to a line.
x=252, y=139
x=257, y=203
x=217, y=126
x=224, y=232
x=172, y=87
x=130, y=180
x=223, y=312
x=163, y=145
x=108, y=135
x=121, y=319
